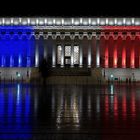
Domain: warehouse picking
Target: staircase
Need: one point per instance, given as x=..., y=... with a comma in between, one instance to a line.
x=76, y=76
x=69, y=71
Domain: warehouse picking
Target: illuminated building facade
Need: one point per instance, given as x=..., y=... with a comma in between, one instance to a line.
x=112, y=44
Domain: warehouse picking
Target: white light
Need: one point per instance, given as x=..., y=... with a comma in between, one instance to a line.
x=112, y=89
x=19, y=75
x=111, y=76
x=62, y=22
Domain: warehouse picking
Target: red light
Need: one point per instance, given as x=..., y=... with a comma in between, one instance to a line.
x=115, y=57
x=124, y=58
x=115, y=108
x=121, y=27
x=106, y=57
x=133, y=105
x=132, y=58
x=106, y=106
x=124, y=107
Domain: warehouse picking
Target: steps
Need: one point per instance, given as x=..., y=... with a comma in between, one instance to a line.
x=70, y=72
x=75, y=76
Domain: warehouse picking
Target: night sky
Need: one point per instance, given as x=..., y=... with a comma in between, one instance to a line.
x=70, y=8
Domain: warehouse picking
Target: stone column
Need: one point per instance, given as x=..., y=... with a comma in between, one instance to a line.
x=45, y=47
x=89, y=51
x=89, y=56
x=36, y=50
x=62, y=52
x=115, y=53
x=132, y=53
x=97, y=51
x=81, y=51
x=72, y=54
x=54, y=52
x=62, y=55
x=72, y=50
x=81, y=55
x=106, y=63
x=28, y=57
x=123, y=52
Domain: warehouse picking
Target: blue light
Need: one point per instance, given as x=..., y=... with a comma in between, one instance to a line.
x=15, y=48
x=2, y=61
x=11, y=61
x=28, y=61
x=19, y=61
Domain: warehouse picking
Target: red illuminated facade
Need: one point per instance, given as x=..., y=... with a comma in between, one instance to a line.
x=120, y=48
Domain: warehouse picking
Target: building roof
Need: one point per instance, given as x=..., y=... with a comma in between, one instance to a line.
x=50, y=21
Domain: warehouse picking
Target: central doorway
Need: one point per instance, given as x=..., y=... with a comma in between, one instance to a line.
x=67, y=56
x=68, y=52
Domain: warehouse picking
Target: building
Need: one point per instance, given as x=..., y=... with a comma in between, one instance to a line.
x=111, y=44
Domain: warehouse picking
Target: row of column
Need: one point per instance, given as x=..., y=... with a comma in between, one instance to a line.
x=124, y=57
x=89, y=57
x=89, y=54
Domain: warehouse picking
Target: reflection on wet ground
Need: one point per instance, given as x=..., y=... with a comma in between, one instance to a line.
x=69, y=112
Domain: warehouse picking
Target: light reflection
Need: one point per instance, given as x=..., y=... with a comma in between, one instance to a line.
x=106, y=106
x=98, y=104
x=67, y=109
x=59, y=109
x=10, y=102
x=116, y=107
x=18, y=93
x=27, y=102
x=133, y=104
x=112, y=89
x=35, y=103
x=89, y=105
x=14, y=111
x=124, y=106
x=75, y=111
x=1, y=102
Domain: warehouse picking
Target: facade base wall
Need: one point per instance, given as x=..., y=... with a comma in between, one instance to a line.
x=17, y=73
x=121, y=74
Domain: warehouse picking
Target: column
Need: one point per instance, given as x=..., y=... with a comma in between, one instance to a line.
x=132, y=55
x=124, y=53
x=106, y=54
x=89, y=55
x=72, y=54
x=37, y=51
x=19, y=60
x=124, y=57
x=45, y=48
x=3, y=61
x=115, y=58
x=62, y=55
x=97, y=52
x=54, y=55
x=28, y=56
x=11, y=61
x=81, y=55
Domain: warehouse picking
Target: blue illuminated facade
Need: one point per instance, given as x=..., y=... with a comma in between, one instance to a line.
x=17, y=47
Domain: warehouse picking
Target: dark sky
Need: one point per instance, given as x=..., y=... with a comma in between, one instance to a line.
x=73, y=8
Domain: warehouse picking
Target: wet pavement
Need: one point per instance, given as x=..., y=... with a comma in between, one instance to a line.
x=69, y=112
